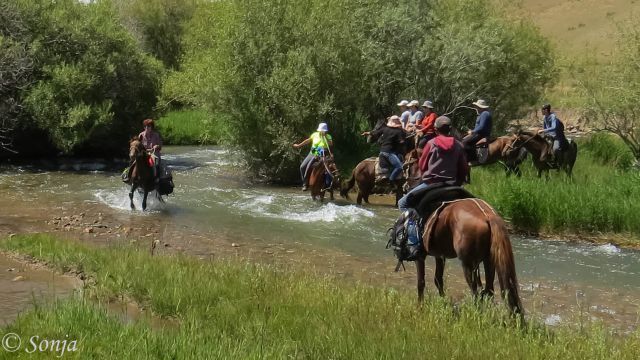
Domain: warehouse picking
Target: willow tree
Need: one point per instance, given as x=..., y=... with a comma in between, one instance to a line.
x=270, y=71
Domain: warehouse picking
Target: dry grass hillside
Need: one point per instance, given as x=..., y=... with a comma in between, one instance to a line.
x=576, y=26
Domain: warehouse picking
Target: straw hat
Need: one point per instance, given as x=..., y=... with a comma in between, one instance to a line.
x=481, y=104
x=394, y=121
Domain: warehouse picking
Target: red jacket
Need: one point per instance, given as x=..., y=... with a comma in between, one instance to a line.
x=443, y=160
x=428, y=123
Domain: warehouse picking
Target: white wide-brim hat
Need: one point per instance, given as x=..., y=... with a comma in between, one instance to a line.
x=415, y=103
x=323, y=127
x=481, y=104
x=403, y=103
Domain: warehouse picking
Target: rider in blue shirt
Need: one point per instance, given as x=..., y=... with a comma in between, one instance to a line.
x=482, y=128
x=554, y=129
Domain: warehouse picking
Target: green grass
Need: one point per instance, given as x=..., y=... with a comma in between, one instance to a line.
x=189, y=127
x=233, y=309
x=600, y=198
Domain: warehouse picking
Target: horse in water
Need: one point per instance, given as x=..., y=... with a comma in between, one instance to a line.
x=364, y=175
x=141, y=171
x=541, y=152
x=472, y=231
x=323, y=176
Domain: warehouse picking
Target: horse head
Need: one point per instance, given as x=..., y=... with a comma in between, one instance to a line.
x=379, y=124
x=331, y=166
x=136, y=148
x=411, y=170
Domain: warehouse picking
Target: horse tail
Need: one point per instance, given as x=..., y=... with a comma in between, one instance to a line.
x=502, y=258
x=344, y=189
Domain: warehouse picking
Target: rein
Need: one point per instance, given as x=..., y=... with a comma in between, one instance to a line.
x=510, y=146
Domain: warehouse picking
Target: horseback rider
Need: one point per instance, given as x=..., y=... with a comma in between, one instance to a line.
x=416, y=116
x=152, y=142
x=391, y=139
x=443, y=160
x=482, y=128
x=321, y=142
x=426, y=129
x=554, y=130
x=405, y=113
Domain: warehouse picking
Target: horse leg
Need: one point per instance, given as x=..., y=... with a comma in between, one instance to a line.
x=331, y=195
x=144, y=200
x=366, y=198
x=476, y=275
x=420, y=277
x=469, y=276
x=438, y=278
x=133, y=189
x=489, y=275
x=359, y=199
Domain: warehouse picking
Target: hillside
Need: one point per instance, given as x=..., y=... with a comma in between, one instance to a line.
x=575, y=26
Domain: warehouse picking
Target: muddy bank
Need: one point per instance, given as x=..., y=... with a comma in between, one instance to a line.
x=24, y=284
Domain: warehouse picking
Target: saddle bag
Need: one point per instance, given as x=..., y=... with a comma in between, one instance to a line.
x=165, y=183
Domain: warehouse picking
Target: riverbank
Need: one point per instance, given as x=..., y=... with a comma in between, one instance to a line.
x=231, y=308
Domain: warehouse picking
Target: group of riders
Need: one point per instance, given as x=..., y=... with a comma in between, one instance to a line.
x=443, y=160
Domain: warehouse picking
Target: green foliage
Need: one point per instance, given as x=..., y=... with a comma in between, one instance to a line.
x=611, y=94
x=276, y=69
x=91, y=84
x=609, y=150
x=158, y=25
x=234, y=309
x=188, y=127
x=598, y=199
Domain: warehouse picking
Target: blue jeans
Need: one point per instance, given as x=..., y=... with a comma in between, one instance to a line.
x=402, y=203
x=304, y=167
x=395, y=161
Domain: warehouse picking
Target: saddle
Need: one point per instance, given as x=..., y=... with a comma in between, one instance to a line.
x=383, y=168
x=481, y=152
x=427, y=204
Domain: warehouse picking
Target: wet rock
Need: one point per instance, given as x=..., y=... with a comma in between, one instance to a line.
x=88, y=230
x=235, y=245
x=11, y=269
x=18, y=278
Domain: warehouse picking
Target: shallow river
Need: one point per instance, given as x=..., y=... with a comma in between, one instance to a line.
x=560, y=280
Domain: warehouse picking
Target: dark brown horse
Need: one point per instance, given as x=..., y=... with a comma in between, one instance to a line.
x=323, y=167
x=364, y=175
x=541, y=152
x=141, y=171
x=472, y=231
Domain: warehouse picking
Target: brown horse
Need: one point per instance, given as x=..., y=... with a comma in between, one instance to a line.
x=499, y=152
x=364, y=175
x=321, y=168
x=541, y=151
x=472, y=231
x=141, y=171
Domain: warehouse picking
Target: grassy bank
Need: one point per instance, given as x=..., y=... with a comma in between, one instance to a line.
x=599, y=199
x=231, y=309
x=189, y=127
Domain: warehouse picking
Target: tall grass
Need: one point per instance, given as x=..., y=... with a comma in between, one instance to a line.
x=599, y=198
x=189, y=127
x=609, y=150
x=231, y=309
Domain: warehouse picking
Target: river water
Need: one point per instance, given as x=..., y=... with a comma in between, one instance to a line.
x=561, y=281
